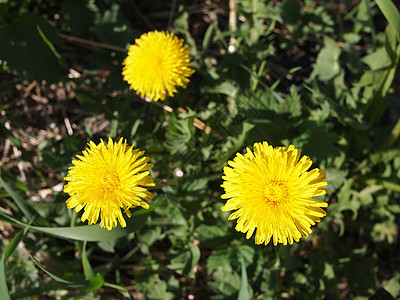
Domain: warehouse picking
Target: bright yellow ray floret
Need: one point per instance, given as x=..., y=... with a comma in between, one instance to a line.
x=106, y=179
x=271, y=191
x=157, y=64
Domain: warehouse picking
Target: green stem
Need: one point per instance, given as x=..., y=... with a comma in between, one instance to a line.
x=257, y=79
x=87, y=269
x=394, y=135
x=376, y=107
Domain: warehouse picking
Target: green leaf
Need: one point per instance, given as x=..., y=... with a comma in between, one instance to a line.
x=391, y=13
x=246, y=252
x=381, y=80
x=94, y=284
x=91, y=233
x=244, y=291
x=327, y=64
x=230, y=255
x=193, y=188
x=49, y=43
x=236, y=142
x=180, y=133
x=26, y=52
x=291, y=11
x=3, y=283
x=7, y=252
x=160, y=292
x=207, y=38
x=226, y=281
x=393, y=286
x=321, y=132
x=384, y=183
x=87, y=268
x=210, y=233
x=185, y=261
x=44, y=288
x=181, y=25
x=147, y=237
x=378, y=59
x=293, y=103
x=335, y=177
x=78, y=17
x=329, y=271
x=26, y=209
x=17, y=143
x=120, y=289
x=348, y=200
x=55, y=277
x=372, y=78
x=21, y=272
x=218, y=258
x=181, y=21
x=381, y=293
x=112, y=27
x=225, y=88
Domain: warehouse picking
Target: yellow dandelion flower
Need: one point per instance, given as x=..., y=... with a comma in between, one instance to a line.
x=156, y=64
x=271, y=191
x=107, y=178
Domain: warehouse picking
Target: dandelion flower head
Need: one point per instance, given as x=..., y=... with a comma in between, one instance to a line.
x=156, y=64
x=106, y=179
x=272, y=193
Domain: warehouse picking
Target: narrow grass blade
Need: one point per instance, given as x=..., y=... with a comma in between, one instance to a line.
x=244, y=291
x=49, y=43
x=3, y=283
x=17, y=143
x=33, y=292
x=81, y=284
x=4, y=294
x=23, y=205
x=87, y=268
x=90, y=233
x=55, y=277
x=120, y=289
x=391, y=13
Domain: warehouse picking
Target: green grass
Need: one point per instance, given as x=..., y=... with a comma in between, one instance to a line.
x=321, y=75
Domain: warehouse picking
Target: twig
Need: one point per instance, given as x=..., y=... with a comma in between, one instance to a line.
x=142, y=16
x=197, y=122
x=232, y=24
x=171, y=14
x=74, y=39
x=28, y=89
x=202, y=126
x=20, y=165
x=6, y=148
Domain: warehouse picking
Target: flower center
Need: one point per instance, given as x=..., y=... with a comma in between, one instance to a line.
x=155, y=63
x=110, y=181
x=276, y=192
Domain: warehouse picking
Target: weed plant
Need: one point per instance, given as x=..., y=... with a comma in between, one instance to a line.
x=321, y=75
